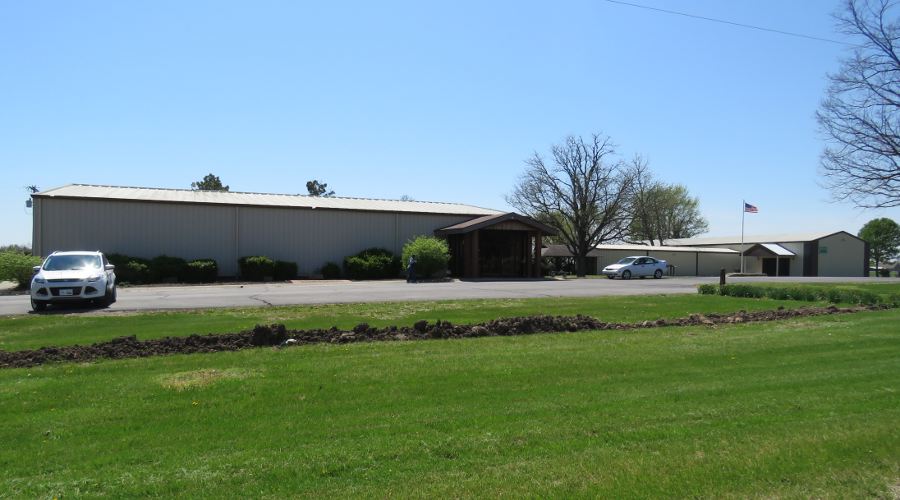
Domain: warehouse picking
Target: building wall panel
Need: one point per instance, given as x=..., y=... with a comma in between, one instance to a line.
x=841, y=255
x=140, y=229
x=712, y=263
x=223, y=232
x=685, y=262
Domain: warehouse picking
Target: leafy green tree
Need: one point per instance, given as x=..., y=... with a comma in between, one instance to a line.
x=210, y=182
x=662, y=211
x=883, y=237
x=432, y=255
x=317, y=188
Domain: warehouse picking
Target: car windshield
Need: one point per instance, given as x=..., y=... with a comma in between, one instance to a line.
x=72, y=262
x=626, y=260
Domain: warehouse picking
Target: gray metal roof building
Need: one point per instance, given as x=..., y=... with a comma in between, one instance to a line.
x=798, y=254
x=225, y=226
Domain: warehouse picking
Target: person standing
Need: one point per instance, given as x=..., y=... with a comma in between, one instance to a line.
x=411, y=269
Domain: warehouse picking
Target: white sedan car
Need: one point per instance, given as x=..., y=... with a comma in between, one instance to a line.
x=73, y=276
x=636, y=266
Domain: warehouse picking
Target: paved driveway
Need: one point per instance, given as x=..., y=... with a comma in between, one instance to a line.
x=326, y=292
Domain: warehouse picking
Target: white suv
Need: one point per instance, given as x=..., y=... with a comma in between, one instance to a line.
x=73, y=276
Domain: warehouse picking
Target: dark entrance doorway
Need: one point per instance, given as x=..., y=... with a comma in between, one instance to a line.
x=503, y=253
x=771, y=264
x=496, y=246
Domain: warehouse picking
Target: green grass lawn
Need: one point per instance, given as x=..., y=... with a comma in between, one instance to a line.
x=801, y=408
x=33, y=331
x=884, y=289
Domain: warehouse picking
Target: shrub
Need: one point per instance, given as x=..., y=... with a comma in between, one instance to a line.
x=130, y=269
x=432, y=255
x=22, y=249
x=285, y=270
x=201, y=271
x=18, y=267
x=331, y=271
x=809, y=294
x=372, y=264
x=256, y=267
x=166, y=268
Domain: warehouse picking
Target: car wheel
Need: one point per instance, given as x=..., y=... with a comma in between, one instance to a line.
x=626, y=275
x=108, y=298
x=658, y=274
x=114, y=295
x=38, y=305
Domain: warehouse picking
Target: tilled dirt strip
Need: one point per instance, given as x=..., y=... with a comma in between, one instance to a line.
x=278, y=335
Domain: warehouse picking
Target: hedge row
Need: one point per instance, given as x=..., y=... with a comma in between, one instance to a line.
x=801, y=293
x=432, y=256
x=372, y=264
x=261, y=268
x=163, y=268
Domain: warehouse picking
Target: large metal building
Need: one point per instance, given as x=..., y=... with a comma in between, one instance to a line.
x=225, y=226
x=800, y=254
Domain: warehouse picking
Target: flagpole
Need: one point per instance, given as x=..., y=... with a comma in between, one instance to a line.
x=743, y=213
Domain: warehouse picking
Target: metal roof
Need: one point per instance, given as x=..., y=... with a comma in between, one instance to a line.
x=777, y=249
x=664, y=248
x=491, y=220
x=562, y=251
x=82, y=191
x=751, y=239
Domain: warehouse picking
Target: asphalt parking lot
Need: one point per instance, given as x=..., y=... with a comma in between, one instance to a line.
x=329, y=292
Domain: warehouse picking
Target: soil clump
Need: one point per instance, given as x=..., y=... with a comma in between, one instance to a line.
x=279, y=336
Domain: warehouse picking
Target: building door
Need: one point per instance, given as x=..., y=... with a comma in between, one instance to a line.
x=768, y=266
x=502, y=253
x=784, y=267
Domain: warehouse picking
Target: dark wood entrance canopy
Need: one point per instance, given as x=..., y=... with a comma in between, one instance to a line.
x=496, y=246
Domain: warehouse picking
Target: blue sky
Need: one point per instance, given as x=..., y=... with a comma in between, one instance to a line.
x=440, y=102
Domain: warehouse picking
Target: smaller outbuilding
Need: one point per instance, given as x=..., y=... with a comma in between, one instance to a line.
x=683, y=261
x=798, y=254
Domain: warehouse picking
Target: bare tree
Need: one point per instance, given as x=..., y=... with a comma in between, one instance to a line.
x=583, y=192
x=860, y=115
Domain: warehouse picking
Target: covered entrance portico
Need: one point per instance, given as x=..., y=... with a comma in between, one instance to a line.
x=775, y=259
x=496, y=246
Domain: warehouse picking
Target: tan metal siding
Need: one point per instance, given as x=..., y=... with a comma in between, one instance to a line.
x=224, y=233
x=797, y=261
x=140, y=229
x=412, y=225
x=312, y=238
x=36, y=228
x=685, y=263
x=844, y=257
x=711, y=263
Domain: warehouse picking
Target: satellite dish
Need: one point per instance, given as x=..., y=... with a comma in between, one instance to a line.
x=27, y=203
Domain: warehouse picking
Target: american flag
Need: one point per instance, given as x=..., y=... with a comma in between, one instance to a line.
x=750, y=208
